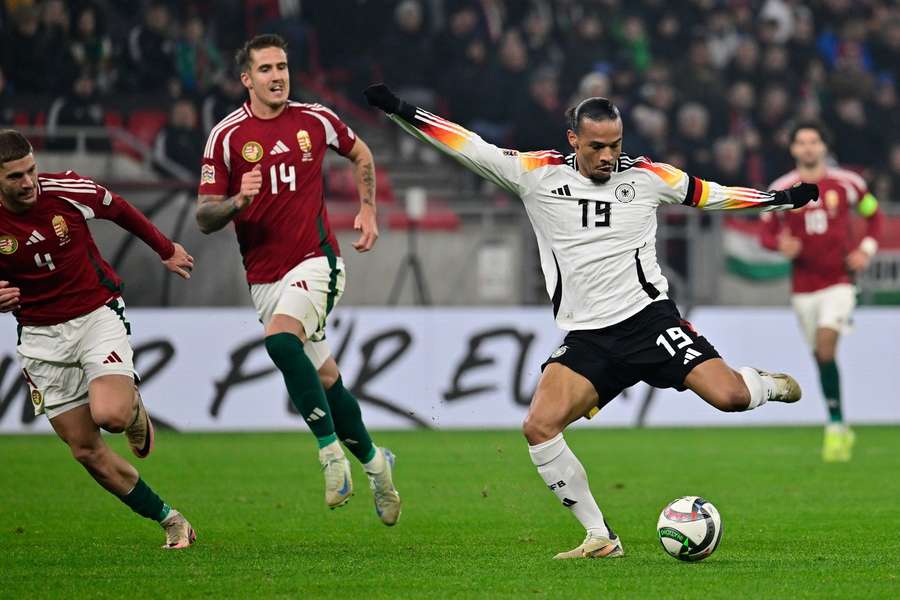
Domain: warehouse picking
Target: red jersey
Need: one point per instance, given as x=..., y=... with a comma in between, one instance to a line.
x=49, y=254
x=823, y=226
x=287, y=221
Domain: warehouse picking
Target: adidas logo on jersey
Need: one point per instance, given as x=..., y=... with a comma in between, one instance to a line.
x=34, y=238
x=112, y=358
x=563, y=191
x=280, y=148
x=690, y=355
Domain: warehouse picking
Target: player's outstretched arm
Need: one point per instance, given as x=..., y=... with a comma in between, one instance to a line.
x=364, y=175
x=215, y=212
x=506, y=168
x=677, y=187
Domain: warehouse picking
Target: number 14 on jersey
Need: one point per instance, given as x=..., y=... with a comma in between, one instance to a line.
x=284, y=174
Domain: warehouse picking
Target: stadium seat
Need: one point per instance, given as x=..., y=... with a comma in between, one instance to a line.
x=113, y=120
x=342, y=219
x=340, y=185
x=146, y=123
x=438, y=217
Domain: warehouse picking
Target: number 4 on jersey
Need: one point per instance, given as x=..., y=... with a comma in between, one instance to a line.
x=46, y=261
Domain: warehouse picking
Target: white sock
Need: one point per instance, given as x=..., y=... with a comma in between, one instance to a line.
x=376, y=465
x=564, y=475
x=332, y=448
x=762, y=387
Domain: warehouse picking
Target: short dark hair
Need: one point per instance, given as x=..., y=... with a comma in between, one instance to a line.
x=595, y=109
x=13, y=146
x=816, y=126
x=264, y=40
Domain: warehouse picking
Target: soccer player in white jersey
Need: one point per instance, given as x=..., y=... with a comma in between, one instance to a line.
x=594, y=216
x=262, y=171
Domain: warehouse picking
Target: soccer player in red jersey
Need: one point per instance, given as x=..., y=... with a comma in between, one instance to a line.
x=262, y=170
x=818, y=240
x=73, y=335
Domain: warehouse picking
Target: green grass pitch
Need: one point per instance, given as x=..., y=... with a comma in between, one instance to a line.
x=477, y=520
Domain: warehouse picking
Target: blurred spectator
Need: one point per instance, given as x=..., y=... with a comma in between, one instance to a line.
x=452, y=44
x=745, y=64
x=586, y=50
x=509, y=82
x=537, y=30
x=886, y=49
x=92, y=48
x=465, y=82
x=22, y=56
x=539, y=121
x=887, y=185
x=646, y=132
x=728, y=162
x=692, y=138
x=406, y=54
x=590, y=86
x=633, y=45
x=858, y=143
x=722, y=38
x=198, y=62
x=180, y=141
x=776, y=67
x=79, y=109
x=225, y=98
x=669, y=36
x=151, y=50
x=7, y=110
x=55, y=45
x=774, y=107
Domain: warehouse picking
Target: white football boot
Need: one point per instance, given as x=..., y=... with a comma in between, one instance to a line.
x=387, y=499
x=179, y=533
x=786, y=387
x=595, y=547
x=338, y=481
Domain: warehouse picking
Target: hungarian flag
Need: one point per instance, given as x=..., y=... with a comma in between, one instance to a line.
x=745, y=256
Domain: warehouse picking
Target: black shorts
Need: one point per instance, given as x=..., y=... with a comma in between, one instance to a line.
x=656, y=346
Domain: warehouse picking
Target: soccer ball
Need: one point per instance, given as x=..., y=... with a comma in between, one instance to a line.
x=689, y=528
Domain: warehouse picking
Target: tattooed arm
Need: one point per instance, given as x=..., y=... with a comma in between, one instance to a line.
x=364, y=174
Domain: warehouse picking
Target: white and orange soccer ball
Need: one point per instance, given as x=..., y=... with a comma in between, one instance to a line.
x=689, y=528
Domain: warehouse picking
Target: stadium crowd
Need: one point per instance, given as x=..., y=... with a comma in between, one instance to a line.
x=709, y=85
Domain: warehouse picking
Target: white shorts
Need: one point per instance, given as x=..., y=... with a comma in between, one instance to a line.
x=59, y=361
x=308, y=293
x=829, y=308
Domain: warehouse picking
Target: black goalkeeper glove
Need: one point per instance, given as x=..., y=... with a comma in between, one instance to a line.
x=381, y=96
x=799, y=195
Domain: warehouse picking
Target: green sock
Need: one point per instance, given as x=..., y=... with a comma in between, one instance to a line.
x=831, y=388
x=348, y=422
x=145, y=502
x=303, y=384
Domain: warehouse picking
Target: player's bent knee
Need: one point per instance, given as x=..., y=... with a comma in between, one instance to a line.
x=89, y=456
x=734, y=399
x=327, y=379
x=113, y=418
x=537, y=430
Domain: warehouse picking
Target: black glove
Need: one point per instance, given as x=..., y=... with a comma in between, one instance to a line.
x=381, y=96
x=799, y=195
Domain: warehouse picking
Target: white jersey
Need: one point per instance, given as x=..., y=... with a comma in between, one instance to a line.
x=597, y=241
